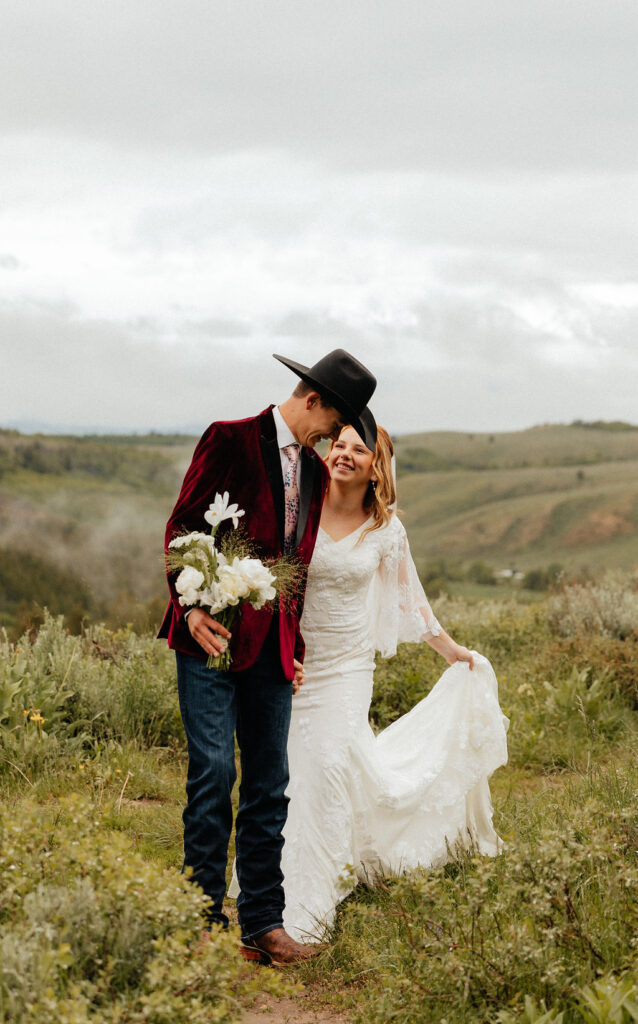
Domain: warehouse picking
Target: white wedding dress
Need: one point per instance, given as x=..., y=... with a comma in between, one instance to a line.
x=361, y=804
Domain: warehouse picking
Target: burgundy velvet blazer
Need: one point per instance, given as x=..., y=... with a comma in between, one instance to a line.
x=242, y=457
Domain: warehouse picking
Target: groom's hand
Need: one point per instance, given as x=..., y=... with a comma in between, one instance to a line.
x=209, y=634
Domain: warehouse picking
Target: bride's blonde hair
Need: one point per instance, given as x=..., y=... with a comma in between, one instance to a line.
x=381, y=494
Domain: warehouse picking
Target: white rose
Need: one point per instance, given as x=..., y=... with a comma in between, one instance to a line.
x=188, y=583
x=269, y=594
x=182, y=540
x=259, y=580
x=231, y=582
x=213, y=598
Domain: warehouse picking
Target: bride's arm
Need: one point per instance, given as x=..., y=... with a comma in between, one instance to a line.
x=413, y=596
x=444, y=645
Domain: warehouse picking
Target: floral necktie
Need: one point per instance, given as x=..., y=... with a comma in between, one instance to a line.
x=291, y=491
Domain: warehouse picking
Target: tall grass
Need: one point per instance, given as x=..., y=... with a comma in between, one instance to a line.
x=96, y=923
x=548, y=931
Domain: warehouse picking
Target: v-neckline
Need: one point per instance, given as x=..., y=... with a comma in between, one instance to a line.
x=345, y=537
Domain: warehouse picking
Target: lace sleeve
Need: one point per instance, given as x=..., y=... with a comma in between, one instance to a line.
x=400, y=610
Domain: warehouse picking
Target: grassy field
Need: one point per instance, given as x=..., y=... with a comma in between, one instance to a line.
x=525, y=518
x=97, y=924
x=82, y=519
x=549, y=445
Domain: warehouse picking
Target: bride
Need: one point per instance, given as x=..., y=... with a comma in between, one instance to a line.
x=362, y=804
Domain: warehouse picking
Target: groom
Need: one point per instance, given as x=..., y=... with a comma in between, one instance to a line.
x=268, y=466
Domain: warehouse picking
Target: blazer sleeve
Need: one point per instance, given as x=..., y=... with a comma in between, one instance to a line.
x=205, y=476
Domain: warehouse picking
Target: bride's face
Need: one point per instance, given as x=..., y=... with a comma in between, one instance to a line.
x=349, y=461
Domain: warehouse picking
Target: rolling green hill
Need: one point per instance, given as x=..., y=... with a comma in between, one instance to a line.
x=85, y=516
x=82, y=519
x=578, y=444
x=553, y=493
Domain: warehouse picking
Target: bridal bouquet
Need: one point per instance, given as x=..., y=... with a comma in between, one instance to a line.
x=220, y=578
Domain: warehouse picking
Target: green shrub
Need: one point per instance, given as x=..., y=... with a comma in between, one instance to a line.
x=563, y=722
x=60, y=695
x=480, y=572
x=544, y=919
x=134, y=696
x=90, y=932
x=30, y=582
x=531, y=1014
x=542, y=579
x=610, y=1000
x=607, y=608
x=602, y=655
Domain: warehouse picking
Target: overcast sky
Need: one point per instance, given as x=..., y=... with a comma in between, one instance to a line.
x=446, y=188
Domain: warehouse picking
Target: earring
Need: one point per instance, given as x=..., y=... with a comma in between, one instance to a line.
x=374, y=484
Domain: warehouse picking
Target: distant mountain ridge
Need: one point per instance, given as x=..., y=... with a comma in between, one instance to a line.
x=575, y=444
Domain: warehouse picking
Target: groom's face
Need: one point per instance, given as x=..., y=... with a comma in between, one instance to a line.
x=318, y=422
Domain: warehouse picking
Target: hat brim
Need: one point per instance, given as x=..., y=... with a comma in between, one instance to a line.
x=368, y=433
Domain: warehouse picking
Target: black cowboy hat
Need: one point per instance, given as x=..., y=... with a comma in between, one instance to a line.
x=347, y=384
x=369, y=425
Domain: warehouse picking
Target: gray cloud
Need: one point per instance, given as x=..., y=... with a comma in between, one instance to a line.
x=449, y=191
x=545, y=85
x=85, y=375
x=459, y=363
x=9, y=262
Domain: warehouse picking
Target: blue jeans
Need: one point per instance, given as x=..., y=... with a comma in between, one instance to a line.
x=256, y=705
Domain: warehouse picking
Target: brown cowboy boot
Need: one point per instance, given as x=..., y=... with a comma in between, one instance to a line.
x=278, y=949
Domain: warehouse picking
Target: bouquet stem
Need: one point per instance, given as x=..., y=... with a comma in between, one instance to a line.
x=223, y=661
x=219, y=661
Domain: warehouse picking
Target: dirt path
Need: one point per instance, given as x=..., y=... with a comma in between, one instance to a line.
x=268, y=1010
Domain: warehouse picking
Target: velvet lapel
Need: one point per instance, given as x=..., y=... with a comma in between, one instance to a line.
x=305, y=492
x=272, y=462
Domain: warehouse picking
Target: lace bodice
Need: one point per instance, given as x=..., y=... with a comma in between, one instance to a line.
x=364, y=594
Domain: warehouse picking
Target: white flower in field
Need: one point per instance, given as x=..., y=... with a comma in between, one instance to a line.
x=259, y=580
x=188, y=583
x=220, y=510
x=232, y=583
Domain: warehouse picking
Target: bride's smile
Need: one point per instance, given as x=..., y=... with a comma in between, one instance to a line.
x=349, y=458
